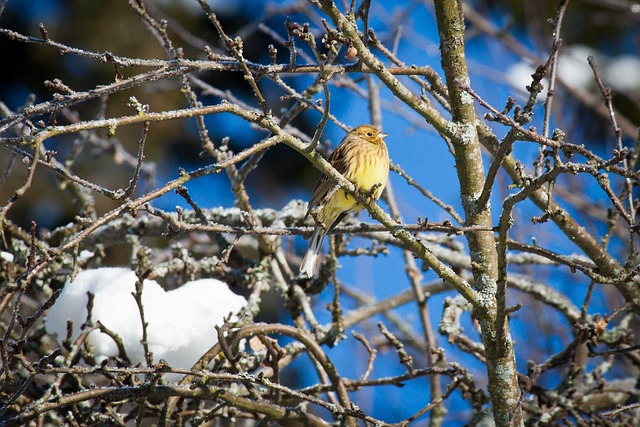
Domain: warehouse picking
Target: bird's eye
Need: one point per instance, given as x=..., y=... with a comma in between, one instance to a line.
x=369, y=133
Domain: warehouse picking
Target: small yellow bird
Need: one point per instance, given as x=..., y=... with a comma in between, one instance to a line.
x=362, y=158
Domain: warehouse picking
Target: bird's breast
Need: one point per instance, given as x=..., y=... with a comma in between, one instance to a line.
x=371, y=170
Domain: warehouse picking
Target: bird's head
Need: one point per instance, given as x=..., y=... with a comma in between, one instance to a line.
x=370, y=133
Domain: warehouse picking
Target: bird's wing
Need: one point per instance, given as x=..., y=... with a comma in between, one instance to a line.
x=325, y=184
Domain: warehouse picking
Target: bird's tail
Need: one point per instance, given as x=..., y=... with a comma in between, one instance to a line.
x=308, y=266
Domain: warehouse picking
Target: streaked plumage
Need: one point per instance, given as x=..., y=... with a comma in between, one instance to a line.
x=362, y=158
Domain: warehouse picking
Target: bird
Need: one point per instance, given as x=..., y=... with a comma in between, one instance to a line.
x=363, y=159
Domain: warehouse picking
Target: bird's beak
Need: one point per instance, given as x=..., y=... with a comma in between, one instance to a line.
x=383, y=135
